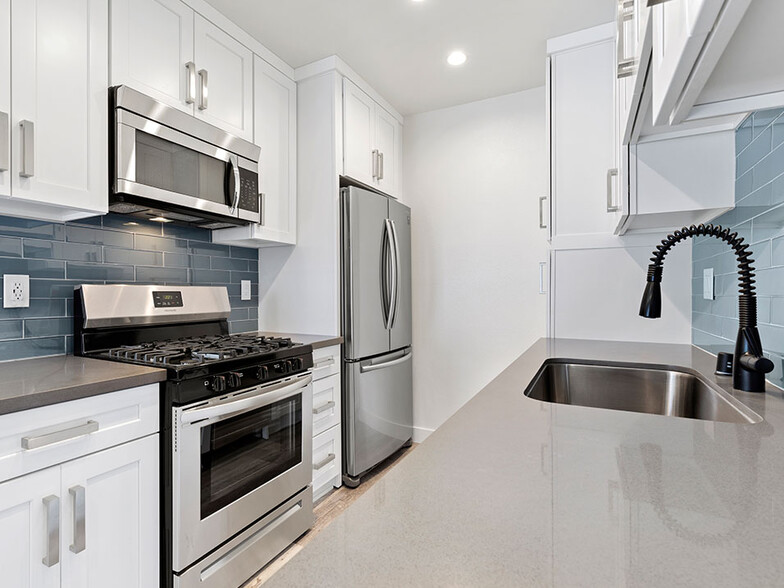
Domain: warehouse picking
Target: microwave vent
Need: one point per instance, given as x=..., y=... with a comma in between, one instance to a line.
x=126, y=208
x=216, y=225
x=176, y=216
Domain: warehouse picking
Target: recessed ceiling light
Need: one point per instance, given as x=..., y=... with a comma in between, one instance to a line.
x=160, y=219
x=456, y=58
x=131, y=224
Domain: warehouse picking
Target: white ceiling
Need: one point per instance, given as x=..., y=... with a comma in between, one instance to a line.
x=400, y=46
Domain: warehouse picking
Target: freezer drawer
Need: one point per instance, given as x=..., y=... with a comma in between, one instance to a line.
x=379, y=414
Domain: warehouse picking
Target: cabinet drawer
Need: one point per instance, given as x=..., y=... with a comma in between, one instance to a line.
x=41, y=437
x=326, y=403
x=327, y=461
x=326, y=361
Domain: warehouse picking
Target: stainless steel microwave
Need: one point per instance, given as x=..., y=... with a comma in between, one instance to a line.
x=169, y=166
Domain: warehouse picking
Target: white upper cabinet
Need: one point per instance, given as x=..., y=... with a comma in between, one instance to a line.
x=372, y=141
x=28, y=507
x=59, y=81
x=5, y=98
x=164, y=49
x=224, y=80
x=275, y=131
x=152, y=41
x=583, y=148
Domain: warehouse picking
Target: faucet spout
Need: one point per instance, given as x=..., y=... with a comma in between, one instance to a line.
x=750, y=365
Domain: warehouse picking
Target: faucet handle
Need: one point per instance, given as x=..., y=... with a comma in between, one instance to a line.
x=757, y=364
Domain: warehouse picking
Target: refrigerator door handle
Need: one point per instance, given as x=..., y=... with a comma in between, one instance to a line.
x=396, y=276
x=371, y=367
x=390, y=291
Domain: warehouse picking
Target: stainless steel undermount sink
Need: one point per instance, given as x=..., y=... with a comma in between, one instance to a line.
x=636, y=388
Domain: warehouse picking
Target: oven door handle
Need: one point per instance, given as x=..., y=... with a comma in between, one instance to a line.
x=233, y=406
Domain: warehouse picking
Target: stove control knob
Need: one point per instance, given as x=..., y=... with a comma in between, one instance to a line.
x=297, y=363
x=219, y=384
x=262, y=373
x=288, y=367
x=235, y=379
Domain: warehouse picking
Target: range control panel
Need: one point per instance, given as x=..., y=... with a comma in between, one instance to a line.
x=167, y=299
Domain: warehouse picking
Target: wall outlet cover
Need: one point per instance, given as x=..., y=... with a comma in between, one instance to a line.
x=707, y=283
x=245, y=289
x=16, y=291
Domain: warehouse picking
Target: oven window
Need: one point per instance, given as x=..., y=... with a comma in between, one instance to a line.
x=174, y=168
x=240, y=454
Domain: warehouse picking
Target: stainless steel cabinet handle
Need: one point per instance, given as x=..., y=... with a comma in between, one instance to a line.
x=80, y=539
x=323, y=407
x=375, y=164
x=5, y=159
x=263, y=207
x=611, y=206
x=61, y=435
x=190, y=82
x=541, y=212
x=52, y=506
x=627, y=66
x=380, y=165
x=203, y=89
x=324, y=363
x=542, y=289
x=27, y=139
x=329, y=459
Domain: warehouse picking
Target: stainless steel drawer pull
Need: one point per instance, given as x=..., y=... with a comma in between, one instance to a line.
x=611, y=206
x=375, y=164
x=329, y=459
x=324, y=363
x=190, y=82
x=80, y=539
x=61, y=435
x=27, y=144
x=263, y=207
x=52, y=506
x=5, y=159
x=380, y=166
x=541, y=212
x=323, y=407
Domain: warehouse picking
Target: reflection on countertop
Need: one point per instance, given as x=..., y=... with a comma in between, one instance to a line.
x=514, y=491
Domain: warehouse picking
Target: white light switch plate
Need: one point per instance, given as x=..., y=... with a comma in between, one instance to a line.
x=16, y=291
x=245, y=289
x=707, y=283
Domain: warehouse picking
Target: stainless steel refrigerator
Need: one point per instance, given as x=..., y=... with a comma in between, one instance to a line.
x=377, y=378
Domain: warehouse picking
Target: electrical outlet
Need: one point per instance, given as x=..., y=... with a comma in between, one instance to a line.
x=16, y=291
x=244, y=289
x=707, y=283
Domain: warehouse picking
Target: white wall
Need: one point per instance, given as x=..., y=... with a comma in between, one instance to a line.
x=473, y=175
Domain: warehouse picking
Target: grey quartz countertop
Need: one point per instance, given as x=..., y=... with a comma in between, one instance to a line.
x=511, y=491
x=30, y=383
x=317, y=341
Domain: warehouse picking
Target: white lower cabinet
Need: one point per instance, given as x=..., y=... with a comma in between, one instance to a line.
x=91, y=518
x=327, y=448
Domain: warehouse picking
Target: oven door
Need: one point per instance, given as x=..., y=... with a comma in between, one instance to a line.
x=163, y=166
x=236, y=458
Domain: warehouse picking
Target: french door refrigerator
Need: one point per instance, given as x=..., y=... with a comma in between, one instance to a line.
x=376, y=298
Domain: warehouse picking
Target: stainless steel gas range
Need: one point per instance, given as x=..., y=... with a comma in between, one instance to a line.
x=236, y=440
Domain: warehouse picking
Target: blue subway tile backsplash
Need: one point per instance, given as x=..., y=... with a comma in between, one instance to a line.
x=758, y=216
x=109, y=249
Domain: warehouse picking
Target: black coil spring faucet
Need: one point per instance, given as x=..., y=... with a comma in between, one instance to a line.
x=750, y=366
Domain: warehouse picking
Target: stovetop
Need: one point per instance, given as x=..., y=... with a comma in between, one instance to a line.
x=190, y=352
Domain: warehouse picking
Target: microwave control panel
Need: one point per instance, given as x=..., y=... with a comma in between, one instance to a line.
x=249, y=190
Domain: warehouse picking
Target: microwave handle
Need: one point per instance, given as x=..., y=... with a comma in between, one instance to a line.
x=233, y=182
x=256, y=398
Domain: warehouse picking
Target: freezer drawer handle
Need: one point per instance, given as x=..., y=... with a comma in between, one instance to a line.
x=380, y=366
x=323, y=407
x=329, y=459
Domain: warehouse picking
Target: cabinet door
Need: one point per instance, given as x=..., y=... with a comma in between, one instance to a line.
x=359, y=116
x=679, y=33
x=583, y=152
x=152, y=41
x=224, y=80
x=59, y=93
x=111, y=518
x=388, y=140
x=275, y=114
x=5, y=97
x=23, y=530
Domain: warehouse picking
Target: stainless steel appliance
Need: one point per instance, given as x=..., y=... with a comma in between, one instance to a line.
x=236, y=443
x=169, y=166
x=376, y=264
